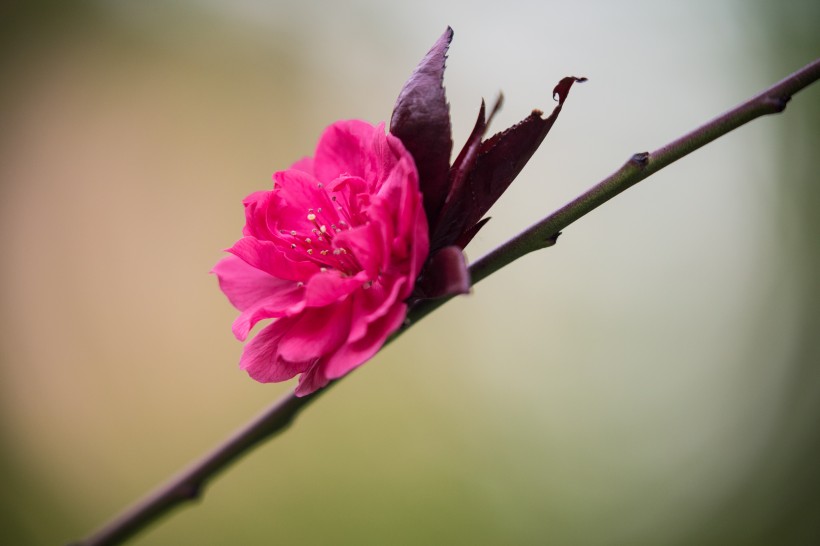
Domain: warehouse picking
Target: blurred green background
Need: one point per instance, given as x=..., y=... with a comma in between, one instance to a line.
x=652, y=379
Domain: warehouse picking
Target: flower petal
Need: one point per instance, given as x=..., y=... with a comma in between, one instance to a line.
x=352, y=355
x=372, y=304
x=261, y=355
x=331, y=286
x=311, y=380
x=298, y=194
x=367, y=245
x=266, y=256
x=345, y=149
x=257, y=294
x=245, y=285
x=316, y=332
x=271, y=307
x=257, y=205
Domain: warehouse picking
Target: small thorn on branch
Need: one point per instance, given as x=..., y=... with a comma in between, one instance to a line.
x=189, y=491
x=640, y=159
x=778, y=104
x=551, y=240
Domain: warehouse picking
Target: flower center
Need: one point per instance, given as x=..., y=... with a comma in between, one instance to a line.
x=313, y=239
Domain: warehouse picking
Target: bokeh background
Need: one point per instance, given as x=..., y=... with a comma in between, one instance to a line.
x=652, y=379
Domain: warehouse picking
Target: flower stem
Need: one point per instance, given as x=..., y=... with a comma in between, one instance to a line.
x=189, y=483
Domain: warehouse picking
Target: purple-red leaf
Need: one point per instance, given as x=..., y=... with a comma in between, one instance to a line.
x=466, y=158
x=451, y=219
x=450, y=225
x=446, y=274
x=501, y=157
x=421, y=120
x=562, y=89
x=467, y=236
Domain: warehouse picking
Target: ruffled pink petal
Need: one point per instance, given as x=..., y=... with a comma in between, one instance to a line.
x=352, y=355
x=348, y=184
x=311, y=380
x=345, y=148
x=372, y=304
x=316, y=332
x=256, y=294
x=350, y=193
x=367, y=245
x=407, y=204
x=396, y=183
x=257, y=207
x=381, y=216
x=245, y=285
x=387, y=151
x=299, y=194
x=271, y=307
x=410, y=242
x=266, y=256
x=331, y=286
x=261, y=355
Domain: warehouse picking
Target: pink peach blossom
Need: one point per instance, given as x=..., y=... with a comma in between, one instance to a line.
x=331, y=253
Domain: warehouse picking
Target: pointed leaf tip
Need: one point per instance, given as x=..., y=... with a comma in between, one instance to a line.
x=468, y=235
x=499, y=102
x=562, y=89
x=421, y=120
x=502, y=156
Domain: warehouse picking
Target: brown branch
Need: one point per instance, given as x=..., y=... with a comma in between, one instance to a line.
x=189, y=483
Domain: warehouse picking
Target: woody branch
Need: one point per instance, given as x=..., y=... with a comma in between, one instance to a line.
x=189, y=484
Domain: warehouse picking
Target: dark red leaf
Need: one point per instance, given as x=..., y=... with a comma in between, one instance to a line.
x=449, y=224
x=448, y=228
x=446, y=274
x=467, y=236
x=562, y=89
x=501, y=157
x=421, y=120
x=466, y=158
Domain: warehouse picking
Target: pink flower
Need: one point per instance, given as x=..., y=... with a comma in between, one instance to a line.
x=341, y=246
x=331, y=253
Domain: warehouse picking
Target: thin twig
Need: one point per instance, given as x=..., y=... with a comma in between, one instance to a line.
x=189, y=483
